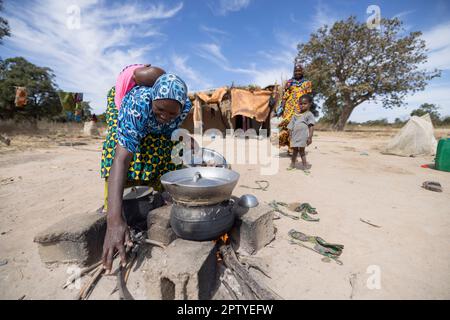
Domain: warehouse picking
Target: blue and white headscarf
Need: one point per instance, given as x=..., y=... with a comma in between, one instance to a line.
x=170, y=86
x=136, y=117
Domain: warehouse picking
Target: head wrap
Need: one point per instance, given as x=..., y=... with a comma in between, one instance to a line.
x=170, y=86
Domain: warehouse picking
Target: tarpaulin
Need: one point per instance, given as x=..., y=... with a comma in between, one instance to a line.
x=250, y=104
x=215, y=97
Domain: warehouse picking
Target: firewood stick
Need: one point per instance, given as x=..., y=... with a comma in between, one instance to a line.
x=247, y=293
x=124, y=294
x=155, y=243
x=129, y=267
x=92, y=282
x=83, y=271
x=86, y=288
x=232, y=262
x=230, y=290
x=255, y=264
x=230, y=281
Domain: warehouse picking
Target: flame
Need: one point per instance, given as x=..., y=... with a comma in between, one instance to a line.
x=225, y=239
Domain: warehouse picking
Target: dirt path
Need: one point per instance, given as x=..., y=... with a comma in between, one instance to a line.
x=410, y=251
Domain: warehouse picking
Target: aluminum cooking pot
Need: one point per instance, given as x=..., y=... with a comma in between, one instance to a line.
x=200, y=185
x=207, y=158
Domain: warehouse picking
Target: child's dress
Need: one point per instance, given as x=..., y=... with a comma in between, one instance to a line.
x=125, y=82
x=299, y=127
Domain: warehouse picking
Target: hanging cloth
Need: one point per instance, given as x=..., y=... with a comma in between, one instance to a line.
x=21, y=97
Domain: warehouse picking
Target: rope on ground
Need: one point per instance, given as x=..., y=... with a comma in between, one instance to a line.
x=260, y=187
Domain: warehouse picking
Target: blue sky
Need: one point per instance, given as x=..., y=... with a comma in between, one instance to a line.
x=210, y=43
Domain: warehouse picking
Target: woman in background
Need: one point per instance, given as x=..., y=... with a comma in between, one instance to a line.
x=294, y=89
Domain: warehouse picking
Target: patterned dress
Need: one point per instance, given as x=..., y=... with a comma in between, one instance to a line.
x=151, y=159
x=293, y=91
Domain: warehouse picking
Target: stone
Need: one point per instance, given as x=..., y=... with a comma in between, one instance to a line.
x=253, y=228
x=158, y=224
x=186, y=270
x=160, y=217
x=75, y=239
x=160, y=234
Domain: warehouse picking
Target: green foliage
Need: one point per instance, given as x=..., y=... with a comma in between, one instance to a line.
x=445, y=121
x=429, y=108
x=379, y=122
x=102, y=117
x=43, y=100
x=4, y=26
x=349, y=64
x=87, y=109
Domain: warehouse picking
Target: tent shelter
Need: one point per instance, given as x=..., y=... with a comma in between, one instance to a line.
x=229, y=108
x=414, y=139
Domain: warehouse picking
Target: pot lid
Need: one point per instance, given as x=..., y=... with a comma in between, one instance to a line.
x=197, y=180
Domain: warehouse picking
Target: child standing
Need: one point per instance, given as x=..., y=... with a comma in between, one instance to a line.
x=301, y=129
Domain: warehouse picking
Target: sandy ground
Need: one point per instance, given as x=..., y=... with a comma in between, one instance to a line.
x=407, y=258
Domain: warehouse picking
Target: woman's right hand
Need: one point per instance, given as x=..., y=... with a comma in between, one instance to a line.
x=117, y=235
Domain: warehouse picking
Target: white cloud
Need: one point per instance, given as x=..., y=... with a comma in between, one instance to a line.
x=278, y=66
x=272, y=75
x=184, y=70
x=323, y=15
x=86, y=59
x=402, y=14
x=215, y=34
x=132, y=14
x=212, y=52
x=437, y=94
x=211, y=30
x=226, y=6
x=281, y=60
x=438, y=42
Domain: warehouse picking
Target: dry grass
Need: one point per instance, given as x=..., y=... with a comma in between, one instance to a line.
x=42, y=134
x=439, y=132
x=45, y=134
x=41, y=127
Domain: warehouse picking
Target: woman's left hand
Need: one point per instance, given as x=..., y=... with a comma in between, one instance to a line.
x=309, y=141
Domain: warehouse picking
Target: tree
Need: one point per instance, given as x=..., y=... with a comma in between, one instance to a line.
x=399, y=122
x=43, y=100
x=87, y=109
x=349, y=64
x=429, y=108
x=4, y=25
x=445, y=121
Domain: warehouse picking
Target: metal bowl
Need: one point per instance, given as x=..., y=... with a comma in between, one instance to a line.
x=200, y=185
x=248, y=201
x=207, y=158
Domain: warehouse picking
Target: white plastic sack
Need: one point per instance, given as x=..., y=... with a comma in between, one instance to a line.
x=90, y=129
x=414, y=139
x=274, y=130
